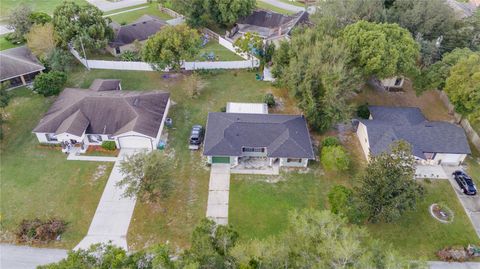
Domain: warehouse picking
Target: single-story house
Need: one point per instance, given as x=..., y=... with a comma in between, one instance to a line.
x=104, y=112
x=126, y=35
x=19, y=66
x=271, y=26
x=433, y=142
x=276, y=139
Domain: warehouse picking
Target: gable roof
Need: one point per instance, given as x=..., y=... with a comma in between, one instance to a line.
x=284, y=136
x=101, y=85
x=18, y=61
x=268, y=24
x=389, y=124
x=105, y=112
x=140, y=30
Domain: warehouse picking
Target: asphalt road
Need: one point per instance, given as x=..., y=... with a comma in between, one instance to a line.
x=22, y=257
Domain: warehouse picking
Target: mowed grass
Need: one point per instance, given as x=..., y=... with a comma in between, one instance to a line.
x=129, y=17
x=5, y=44
x=220, y=52
x=173, y=219
x=47, y=6
x=418, y=234
x=38, y=182
x=264, y=5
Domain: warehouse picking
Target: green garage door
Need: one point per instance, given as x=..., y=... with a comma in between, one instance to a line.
x=220, y=159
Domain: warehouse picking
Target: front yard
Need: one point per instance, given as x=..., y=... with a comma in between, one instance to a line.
x=38, y=181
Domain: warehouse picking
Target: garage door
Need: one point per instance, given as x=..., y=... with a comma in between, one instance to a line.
x=451, y=158
x=134, y=142
x=220, y=159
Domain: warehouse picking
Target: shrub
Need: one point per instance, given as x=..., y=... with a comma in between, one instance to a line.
x=269, y=99
x=109, y=145
x=223, y=109
x=342, y=202
x=50, y=83
x=37, y=230
x=330, y=141
x=363, y=112
x=335, y=158
x=130, y=56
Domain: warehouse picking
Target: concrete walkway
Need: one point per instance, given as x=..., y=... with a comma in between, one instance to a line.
x=23, y=257
x=218, y=191
x=454, y=265
x=113, y=214
x=471, y=204
x=104, y=5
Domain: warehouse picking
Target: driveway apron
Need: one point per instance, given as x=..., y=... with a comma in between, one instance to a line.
x=218, y=191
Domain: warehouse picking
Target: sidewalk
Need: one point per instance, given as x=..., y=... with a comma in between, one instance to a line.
x=113, y=214
x=23, y=257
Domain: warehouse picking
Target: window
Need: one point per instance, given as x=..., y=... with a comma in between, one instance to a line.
x=292, y=160
x=94, y=138
x=249, y=149
x=51, y=137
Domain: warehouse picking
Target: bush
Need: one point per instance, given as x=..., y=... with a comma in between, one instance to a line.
x=363, y=112
x=130, y=56
x=330, y=141
x=335, y=158
x=109, y=145
x=37, y=230
x=50, y=83
x=269, y=99
x=223, y=109
x=342, y=202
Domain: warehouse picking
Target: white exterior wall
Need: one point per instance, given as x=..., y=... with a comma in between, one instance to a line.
x=159, y=134
x=43, y=139
x=363, y=137
x=104, y=138
x=67, y=136
x=448, y=158
x=284, y=163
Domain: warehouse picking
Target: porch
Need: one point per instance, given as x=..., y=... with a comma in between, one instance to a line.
x=256, y=166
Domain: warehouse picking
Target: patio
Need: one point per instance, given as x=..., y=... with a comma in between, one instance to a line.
x=255, y=166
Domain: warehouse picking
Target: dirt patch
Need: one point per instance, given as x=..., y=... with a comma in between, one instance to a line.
x=99, y=173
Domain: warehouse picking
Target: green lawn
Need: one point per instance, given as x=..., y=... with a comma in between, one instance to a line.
x=174, y=218
x=40, y=182
x=295, y=3
x=263, y=5
x=129, y=17
x=5, y=44
x=37, y=5
x=220, y=52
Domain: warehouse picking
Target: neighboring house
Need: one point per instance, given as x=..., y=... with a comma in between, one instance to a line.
x=126, y=35
x=274, y=139
x=433, y=142
x=19, y=66
x=82, y=117
x=463, y=9
x=393, y=84
x=271, y=26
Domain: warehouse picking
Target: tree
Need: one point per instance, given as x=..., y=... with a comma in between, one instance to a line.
x=40, y=18
x=147, y=176
x=172, y=45
x=59, y=60
x=41, y=39
x=387, y=186
x=343, y=202
x=335, y=158
x=50, y=83
x=382, y=50
x=432, y=18
x=75, y=23
x=196, y=13
x=463, y=86
x=317, y=239
x=250, y=43
x=336, y=14
x=227, y=12
x=19, y=21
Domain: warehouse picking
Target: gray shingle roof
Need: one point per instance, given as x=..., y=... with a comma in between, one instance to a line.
x=100, y=85
x=18, y=61
x=139, y=30
x=105, y=112
x=284, y=136
x=389, y=124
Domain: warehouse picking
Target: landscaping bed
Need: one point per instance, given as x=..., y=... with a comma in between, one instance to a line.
x=100, y=151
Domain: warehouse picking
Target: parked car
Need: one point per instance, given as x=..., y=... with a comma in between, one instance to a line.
x=196, y=137
x=465, y=182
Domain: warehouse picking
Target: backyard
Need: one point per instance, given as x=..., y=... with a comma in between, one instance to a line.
x=46, y=6
x=38, y=181
x=131, y=16
x=264, y=5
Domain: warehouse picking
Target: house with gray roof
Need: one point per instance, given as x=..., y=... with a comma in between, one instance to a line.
x=83, y=117
x=140, y=30
x=433, y=142
x=269, y=25
x=18, y=67
x=275, y=139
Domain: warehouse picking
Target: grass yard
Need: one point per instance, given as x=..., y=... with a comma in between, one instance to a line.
x=263, y=5
x=129, y=17
x=5, y=44
x=174, y=218
x=293, y=2
x=46, y=6
x=419, y=234
x=221, y=53
x=39, y=181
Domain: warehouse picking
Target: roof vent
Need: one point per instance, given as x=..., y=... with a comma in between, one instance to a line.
x=144, y=22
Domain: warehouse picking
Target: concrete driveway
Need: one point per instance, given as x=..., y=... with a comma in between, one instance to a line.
x=471, y=204
x=23, y=257
x=113, y=214
x=218, y=191
x=454, y=265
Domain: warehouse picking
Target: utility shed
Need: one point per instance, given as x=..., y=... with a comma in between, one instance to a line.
x=249, y=108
